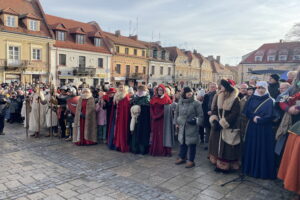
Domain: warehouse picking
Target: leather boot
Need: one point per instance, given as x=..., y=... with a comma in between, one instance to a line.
x=190, y=164
x=180, y=161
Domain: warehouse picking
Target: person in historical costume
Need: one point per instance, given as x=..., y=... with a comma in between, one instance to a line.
x=243, y=120
x=290, y=163
x=188, y=116
x=121, y=129
x=51, y=113
x=157, y=110
x=207, y=111
x=140, y=121
x=72, y=102
x=225, y=112
x=259, y=156
x=110, y=116
x=62, y=107
x=169, y=119
x=101, y=118
x=38, y=112
x=85, y=125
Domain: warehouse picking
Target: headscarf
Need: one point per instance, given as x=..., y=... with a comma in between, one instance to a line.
x=263, y=84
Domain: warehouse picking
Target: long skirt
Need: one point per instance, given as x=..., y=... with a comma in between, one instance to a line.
x=289, y=170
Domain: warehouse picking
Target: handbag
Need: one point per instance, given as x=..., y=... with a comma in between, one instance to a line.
x=230, y=136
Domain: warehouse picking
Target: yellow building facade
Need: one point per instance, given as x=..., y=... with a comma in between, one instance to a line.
x=24, y=58
x=25, y=40
x=129, y=60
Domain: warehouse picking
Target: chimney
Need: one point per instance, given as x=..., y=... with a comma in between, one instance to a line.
x=195, y=51
x=218, y=59
x=118, y=33
x=134, y=37
x=210, y=58
x=281, y=41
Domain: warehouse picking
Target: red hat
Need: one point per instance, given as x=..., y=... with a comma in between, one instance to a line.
x=231, y=82
x=111, y=90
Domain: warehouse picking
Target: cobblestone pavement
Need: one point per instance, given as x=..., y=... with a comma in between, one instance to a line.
x=48, y=168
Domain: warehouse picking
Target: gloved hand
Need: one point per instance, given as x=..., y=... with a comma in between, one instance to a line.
x=82, y=116
x=216, y=125
x=192, y=121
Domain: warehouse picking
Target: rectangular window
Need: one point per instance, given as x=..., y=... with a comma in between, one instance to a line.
x=283, y=58
x=118, y=68
x=100, y=62
x=135, y=52
x=97, y=42
x=169, y=71
x=127, y=69
x=144, y=70
x=271, y=58
x=62, y=59
x=258, y=58
x=79, y=39
x=143, y=53
x=33, y=25
x=36, y=54
x=81, y=62
x=163, y=55
x=60, y=35
x=136, y=69
x=296, y=57
x=161, y=70
x=152, y=69
x=117, y=49
x=126, y=51
x=14, y=53
x=10, y=21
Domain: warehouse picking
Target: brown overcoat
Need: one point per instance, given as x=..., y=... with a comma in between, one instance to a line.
x=90, y=128
x=231, y=106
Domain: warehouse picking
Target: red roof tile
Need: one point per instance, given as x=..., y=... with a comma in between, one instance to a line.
x=9, y=11
x=282, y=48
x=123, y=40
x=72, y=26
x=24, y=7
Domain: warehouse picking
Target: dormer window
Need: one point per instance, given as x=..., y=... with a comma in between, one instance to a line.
x=33, y=25
x=60, y=35
x=80, y=39
x=282, y=58
x=271, y=58
x=258, y=58
x=11, y=21
x=296, y=57
x=163, y=55
x=97, y=42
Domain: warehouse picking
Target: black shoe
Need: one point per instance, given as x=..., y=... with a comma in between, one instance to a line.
x=205, y=148
x=2, y=133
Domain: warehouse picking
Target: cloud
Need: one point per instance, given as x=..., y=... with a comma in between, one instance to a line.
x=230, y=28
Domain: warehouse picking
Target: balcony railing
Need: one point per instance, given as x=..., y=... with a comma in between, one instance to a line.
x=135, y=76
x=87, y=71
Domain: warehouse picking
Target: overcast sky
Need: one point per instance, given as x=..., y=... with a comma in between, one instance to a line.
x=229, y=28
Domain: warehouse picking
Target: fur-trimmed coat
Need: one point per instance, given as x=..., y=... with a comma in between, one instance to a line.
x=231, y=107
x=90, y=126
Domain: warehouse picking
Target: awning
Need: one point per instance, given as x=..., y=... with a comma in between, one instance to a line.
x=267, y=71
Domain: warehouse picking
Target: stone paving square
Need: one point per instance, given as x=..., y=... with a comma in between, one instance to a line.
x=50, y=168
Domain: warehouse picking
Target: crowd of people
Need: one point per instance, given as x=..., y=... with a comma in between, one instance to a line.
x=253, y=127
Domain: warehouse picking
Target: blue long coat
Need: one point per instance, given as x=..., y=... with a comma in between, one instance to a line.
x=259, y=158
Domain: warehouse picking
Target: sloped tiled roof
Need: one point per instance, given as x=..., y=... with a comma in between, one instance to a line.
x=123, y=40
x=282, y=48
x=72, y=27
x=175, y=52
x=21, y=8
